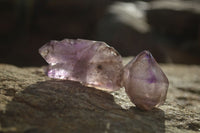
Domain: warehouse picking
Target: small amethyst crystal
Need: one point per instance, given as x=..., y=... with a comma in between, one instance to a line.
x=92, y=63
x=145, y=82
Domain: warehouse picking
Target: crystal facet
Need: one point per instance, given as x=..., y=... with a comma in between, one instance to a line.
x=144, y=81
x=92, y=63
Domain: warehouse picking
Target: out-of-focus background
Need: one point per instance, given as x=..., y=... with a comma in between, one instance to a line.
x=170, y=29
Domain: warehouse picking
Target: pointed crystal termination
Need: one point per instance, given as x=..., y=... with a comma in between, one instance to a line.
x=92, y=63
x=145, y=82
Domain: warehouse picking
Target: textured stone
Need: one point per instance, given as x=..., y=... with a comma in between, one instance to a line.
x=32, y=102
x=92, y=63
x=145, y=82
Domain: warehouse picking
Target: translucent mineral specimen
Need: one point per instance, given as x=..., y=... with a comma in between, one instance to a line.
x=92, y=63
x=98, y=65
x=144, y=81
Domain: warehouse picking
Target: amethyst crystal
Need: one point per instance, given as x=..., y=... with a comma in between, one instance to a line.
x=98, y=65
x=92, y=63
x=145, y=82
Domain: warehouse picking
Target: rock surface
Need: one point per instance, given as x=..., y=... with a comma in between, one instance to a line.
x=30, y=102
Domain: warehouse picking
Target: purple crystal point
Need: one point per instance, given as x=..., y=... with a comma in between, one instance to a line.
x=92, y=63
x=145, y=82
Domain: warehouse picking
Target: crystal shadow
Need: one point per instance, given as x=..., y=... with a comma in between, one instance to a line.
x=67, y=106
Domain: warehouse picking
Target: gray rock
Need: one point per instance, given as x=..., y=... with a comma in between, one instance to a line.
x=168, y=28
x=30, y=102
x=124, y=26
x=177, y=20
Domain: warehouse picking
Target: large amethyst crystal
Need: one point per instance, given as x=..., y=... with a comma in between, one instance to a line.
x=92, y=63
